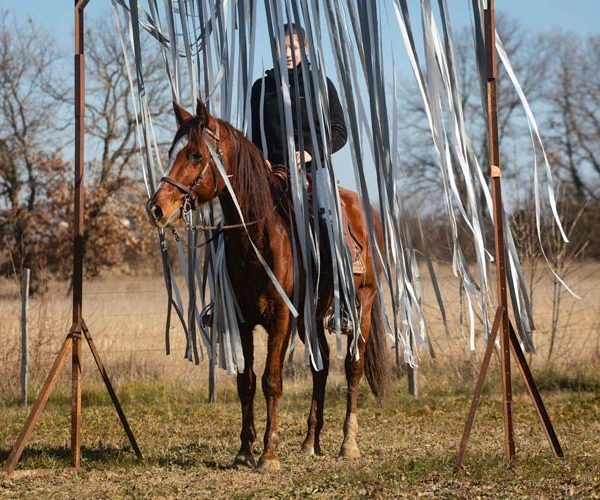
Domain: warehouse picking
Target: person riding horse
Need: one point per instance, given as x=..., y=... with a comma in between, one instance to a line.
x=269, y=135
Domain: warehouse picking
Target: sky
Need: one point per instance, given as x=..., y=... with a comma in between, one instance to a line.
x=573, y=15
x=579, y=16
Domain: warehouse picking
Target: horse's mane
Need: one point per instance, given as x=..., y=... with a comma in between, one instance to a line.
x=253, y=182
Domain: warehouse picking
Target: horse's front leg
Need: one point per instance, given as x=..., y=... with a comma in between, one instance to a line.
x=246, y=387
x=272, y=384
x=354, y=371
x=311, y=443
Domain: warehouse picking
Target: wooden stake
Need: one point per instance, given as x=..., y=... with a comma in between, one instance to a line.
x=24, y=341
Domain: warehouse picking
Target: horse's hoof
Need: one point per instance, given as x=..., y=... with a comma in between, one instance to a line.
x=269, y=464
x=349, y=452
x=311, y=449
x=244, y=460
x=308, y=447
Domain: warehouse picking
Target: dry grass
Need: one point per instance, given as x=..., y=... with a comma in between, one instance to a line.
x=408, y=445
x=126, y=317
x=408, y=448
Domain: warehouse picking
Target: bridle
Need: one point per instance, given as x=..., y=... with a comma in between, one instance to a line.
x=189, y=195
x=189, y=198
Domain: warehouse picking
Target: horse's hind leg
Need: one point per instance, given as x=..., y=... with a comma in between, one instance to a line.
x=246, y=386
x=272, y=383
x=354, y=371
x=315, y=417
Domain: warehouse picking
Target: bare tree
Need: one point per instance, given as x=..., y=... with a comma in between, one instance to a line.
x=116, y=191
x=573, y=100
x=29, y=118
x=36, y=124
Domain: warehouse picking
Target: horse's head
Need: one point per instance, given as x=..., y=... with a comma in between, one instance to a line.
x=192, y=177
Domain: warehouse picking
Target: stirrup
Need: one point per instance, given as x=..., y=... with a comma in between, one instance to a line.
x=346, y=325
x=206, y=315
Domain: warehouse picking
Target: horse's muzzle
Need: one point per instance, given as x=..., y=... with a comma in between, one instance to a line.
x=157, y=215
x=153, y=211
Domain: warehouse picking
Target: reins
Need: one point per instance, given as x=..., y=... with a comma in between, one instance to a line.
x=220, y=229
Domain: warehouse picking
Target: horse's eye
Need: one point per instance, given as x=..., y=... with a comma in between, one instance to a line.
x=195, y=157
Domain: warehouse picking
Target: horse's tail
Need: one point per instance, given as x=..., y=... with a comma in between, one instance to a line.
x=377, y=365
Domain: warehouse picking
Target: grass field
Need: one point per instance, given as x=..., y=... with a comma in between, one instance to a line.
x=408, y=444
x=408, y=447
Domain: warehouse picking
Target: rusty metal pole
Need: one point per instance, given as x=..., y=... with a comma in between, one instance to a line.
x=78, y=243
x=494, y=156
x=78, y=330
x=502, y=324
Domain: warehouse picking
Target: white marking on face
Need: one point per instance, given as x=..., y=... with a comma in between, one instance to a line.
x=179, y=145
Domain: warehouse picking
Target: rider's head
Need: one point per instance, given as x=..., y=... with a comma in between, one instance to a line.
x=295, y=37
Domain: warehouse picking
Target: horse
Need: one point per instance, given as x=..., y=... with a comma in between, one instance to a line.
x=194, y=177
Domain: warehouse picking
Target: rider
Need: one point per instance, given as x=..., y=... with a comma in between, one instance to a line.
x=308, y=147
x=276, y=143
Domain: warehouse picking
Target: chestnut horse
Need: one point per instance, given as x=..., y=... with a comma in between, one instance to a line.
x=194, y=178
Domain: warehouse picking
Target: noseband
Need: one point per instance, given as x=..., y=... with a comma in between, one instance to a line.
x=189, y=199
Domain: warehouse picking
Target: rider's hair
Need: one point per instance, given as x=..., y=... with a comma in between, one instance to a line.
x=294, y=29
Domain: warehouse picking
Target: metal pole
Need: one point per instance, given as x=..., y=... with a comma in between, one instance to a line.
x=494, y=150
x=78, y=329
x=78, y=242
x=24, y=344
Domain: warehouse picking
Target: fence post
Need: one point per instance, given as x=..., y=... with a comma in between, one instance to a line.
x=212, y=367
x=24, y=347
x=413, y=382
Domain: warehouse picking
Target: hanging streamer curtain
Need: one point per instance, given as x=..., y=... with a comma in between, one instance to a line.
x=210, y=51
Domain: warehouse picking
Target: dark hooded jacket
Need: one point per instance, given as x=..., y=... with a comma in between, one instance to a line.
x=274, y=130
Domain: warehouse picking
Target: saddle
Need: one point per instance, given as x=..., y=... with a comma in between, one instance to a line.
x=281, y=174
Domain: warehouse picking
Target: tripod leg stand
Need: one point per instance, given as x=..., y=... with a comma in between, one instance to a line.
x=534, y=393
x=111, y=392
x=38, y=406
x=73, y=341
x=478, y=388
x=529, y=384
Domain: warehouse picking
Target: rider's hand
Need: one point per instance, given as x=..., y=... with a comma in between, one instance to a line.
x=307, y=157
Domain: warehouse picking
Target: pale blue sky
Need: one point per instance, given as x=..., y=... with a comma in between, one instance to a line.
x=579, y=16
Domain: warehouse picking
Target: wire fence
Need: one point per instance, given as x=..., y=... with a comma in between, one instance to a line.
x=126, y=317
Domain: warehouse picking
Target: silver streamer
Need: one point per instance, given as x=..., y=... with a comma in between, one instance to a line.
x=208, y=48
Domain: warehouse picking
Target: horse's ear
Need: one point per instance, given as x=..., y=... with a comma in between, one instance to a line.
x=181, y=114
x=202, y=113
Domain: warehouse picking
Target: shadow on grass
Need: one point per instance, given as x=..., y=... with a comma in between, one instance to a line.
x=189, y=455
x=53, y=456
x=185, y=456
x=576, y=381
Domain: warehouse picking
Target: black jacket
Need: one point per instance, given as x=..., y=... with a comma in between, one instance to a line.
x=274, y=129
